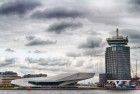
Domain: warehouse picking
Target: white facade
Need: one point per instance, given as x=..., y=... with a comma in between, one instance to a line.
x=61, y=80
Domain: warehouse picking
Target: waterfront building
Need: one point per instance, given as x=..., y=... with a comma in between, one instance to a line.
x=7, y=77
x=117, y=58
x=102, y=79
x=34, y=75
x=61, y=80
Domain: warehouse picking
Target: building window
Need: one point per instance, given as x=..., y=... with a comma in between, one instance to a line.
x=120, y=48
x=114, y=48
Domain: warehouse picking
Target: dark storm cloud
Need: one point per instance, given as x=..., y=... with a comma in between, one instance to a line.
x=136, y=4
x=19, y=7
x=55, y=62
x=105, y=18
x=37, y=51
x=136, y=1
x=92, y=47
x=38, y=42
x=7, y=62
x=63, y=26
x=11, y=60
x=58, y=13
x=9, y=50
x=134, y=7
x=131, y=33
x=133, y=36
x=73, y=54
x=74, y=12
x=30, y=38
x=95, y=53
x=91, y=43
x=48, y=61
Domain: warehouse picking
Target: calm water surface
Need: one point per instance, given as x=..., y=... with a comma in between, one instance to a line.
x=68, y=92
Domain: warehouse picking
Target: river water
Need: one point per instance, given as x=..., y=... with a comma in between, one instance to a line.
x=70, y=92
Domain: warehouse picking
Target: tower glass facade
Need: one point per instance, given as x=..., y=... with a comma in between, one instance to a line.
x=117, y=58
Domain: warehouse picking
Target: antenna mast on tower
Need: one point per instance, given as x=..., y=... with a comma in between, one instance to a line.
x=117, y=32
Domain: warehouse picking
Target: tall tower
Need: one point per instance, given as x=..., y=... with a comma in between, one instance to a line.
x=117, y=58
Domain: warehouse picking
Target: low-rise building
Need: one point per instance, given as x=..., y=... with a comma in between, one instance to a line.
x=34, y=75
x=102, y=79
x=7, y=77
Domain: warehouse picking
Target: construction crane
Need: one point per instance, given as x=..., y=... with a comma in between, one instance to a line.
x=135, y=74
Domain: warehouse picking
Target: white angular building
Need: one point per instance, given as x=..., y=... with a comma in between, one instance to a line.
x=62, y=80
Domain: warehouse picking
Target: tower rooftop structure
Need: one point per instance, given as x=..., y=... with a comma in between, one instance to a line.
x=118, y=39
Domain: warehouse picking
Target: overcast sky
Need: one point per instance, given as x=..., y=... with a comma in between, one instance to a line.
x=56, y=36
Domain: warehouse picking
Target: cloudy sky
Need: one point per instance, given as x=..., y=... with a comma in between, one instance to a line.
x=56, y=36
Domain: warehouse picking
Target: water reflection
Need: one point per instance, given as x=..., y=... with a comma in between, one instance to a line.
x=70, y=92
